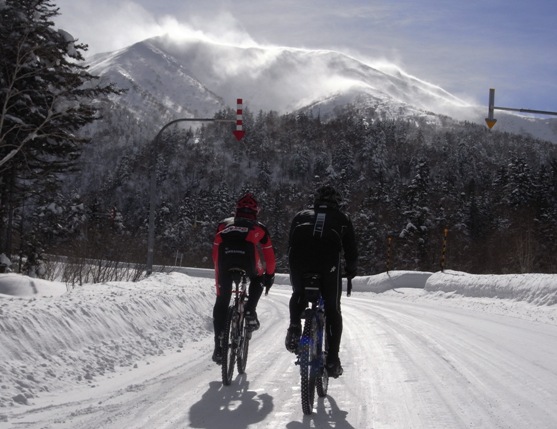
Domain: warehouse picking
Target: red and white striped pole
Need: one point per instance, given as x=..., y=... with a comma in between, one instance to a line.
x=239, y=131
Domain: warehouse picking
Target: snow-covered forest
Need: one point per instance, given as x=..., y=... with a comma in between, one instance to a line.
x=409, y=181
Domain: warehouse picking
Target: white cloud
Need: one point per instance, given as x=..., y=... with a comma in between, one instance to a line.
x=107, y=26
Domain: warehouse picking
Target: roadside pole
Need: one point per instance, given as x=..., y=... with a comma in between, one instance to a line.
x=490, y=120
x=238, y=133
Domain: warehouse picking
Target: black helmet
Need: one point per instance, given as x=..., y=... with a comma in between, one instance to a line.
x=328, y=195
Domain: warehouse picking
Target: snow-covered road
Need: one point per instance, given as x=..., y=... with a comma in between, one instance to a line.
x=409, y=363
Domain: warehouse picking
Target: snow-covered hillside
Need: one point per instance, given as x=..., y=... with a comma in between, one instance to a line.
x=167, y=79
x=138, y=355
x=156, y=83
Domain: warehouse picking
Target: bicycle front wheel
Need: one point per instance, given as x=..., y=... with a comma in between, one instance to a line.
x=229, y=346
x=308, y=373
x=243, y=348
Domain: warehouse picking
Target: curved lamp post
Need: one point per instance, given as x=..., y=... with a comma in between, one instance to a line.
x=239, y=133
x=490, y=120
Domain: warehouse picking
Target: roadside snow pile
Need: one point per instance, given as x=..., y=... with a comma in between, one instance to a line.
x=17, y=285
x=390, y=280
x=537, y=289
x=92, y=329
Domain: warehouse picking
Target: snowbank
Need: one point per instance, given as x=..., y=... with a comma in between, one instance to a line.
x=17, y=285
x=49, y=341
x=538, y=289
x=390, y=280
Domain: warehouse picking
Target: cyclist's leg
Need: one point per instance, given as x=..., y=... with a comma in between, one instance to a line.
x=299, y=262
x=332, y=292
x=296, y=306
x=298, y=301
x=254, y=293
x=220, y=308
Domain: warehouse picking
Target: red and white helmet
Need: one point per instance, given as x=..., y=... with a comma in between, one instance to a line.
x=247, y=204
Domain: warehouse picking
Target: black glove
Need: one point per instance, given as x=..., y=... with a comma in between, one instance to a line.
x=350, y=270
x=268, y=280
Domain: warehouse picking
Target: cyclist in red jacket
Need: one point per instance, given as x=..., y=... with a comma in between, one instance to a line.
x=240, y=242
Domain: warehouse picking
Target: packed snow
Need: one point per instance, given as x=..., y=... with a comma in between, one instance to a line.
x=70, y=356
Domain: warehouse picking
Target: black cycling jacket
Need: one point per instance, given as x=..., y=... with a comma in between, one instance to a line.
x=318, y=236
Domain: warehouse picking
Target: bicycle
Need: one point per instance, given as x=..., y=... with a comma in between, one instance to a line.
x=313, y=346
x=235, y=340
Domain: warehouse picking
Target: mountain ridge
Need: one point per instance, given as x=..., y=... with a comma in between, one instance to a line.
x=166, y=79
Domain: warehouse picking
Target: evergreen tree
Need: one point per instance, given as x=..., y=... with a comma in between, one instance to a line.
x=45, y=97
x=519, y=189
x=417, y=212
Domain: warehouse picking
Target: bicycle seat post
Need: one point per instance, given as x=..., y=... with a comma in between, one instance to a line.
x=312, y=283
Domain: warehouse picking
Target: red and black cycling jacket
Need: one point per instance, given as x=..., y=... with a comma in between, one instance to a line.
x=243, y=242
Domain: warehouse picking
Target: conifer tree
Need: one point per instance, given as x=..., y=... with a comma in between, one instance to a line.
x=46, y=96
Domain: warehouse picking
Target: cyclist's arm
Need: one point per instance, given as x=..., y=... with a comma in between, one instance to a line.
x=268, y=251
x=215, y=254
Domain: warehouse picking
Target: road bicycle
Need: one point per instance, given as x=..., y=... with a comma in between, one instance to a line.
x=313, y=346
x=235, y=340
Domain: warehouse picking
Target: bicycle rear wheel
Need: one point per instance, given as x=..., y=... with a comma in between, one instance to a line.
x=322, y=381
x=243, y=348
x=229, y=346
x=308, y=371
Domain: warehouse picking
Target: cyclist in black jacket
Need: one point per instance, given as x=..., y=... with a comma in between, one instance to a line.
x=318, y=238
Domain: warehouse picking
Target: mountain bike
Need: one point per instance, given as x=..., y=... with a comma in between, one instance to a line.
x=313, y=345
x=236, y=336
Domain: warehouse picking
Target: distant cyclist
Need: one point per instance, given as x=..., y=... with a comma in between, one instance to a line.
x=240, y=241
x=318, y=238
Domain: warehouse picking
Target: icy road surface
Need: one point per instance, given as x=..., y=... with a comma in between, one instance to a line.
x=408, y=363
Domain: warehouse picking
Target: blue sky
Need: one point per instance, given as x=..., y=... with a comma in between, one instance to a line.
x=463, y=46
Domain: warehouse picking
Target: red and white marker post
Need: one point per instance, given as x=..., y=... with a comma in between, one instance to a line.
x=239, y=131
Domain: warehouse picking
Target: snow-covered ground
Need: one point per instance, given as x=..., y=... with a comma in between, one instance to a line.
x=420, y=350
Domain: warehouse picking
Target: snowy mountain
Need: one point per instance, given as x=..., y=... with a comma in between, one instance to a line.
x=156, y=83
x=168, y=79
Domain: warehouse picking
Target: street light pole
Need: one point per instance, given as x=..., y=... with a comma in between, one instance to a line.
x=153, y=182
x=490, y=120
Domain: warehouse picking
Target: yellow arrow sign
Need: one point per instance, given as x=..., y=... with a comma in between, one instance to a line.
x=490, y=122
